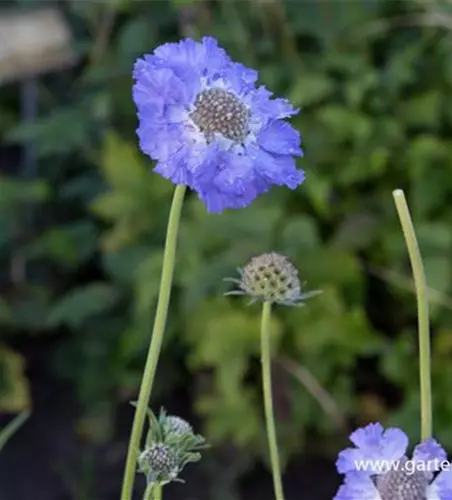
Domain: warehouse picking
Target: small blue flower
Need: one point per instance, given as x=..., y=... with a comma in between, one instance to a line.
x=377, y=468
x=208, y=126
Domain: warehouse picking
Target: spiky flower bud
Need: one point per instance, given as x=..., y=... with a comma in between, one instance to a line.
x=178, y=426
x=270, y=277
x=160, y=463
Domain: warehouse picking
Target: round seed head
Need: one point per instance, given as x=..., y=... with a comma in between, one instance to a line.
x=160, y=463
x=178, y=426
x=219, y=111
x=402, y=484
x=271, y=277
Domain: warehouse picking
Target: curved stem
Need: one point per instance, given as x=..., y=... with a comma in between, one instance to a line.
x=268, y=400
x=156, y=341
x=422, y=307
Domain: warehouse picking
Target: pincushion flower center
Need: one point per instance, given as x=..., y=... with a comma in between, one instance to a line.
x=401, y=485
x=219, y=111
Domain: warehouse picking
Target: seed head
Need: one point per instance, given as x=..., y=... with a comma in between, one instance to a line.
x=219, y=111
x=270, y=277
x=160, y=463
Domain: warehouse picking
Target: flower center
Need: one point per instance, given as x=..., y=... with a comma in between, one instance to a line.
x=217, y=110
x=403, y=484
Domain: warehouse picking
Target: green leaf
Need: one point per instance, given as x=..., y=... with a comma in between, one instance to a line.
x=82, y=303
x=50, y=132
x=311, y=88
x=123, y=165
x=67, y=245
x=14, y=192
x=300, y=234
x=422, y=110
x=356, y=231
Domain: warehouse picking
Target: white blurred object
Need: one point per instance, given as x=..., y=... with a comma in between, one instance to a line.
x=33, y=42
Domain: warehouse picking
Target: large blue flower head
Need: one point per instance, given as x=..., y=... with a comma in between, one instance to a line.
x=377, y=468
x=208, y=126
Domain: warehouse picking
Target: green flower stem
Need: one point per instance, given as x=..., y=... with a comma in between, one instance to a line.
x=148, y=493
x=153, y=492
x=156, y=341
x=422, y=307
x=158, y=493
x=268, y=400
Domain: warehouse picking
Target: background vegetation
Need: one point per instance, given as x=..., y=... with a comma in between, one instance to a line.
x=81, y=245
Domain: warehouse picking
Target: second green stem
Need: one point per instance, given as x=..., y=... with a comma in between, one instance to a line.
x=268, y=400
x=423, y=316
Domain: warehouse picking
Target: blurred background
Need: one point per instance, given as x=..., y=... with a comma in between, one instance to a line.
x=83, y=219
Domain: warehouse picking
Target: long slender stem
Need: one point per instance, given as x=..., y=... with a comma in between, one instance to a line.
x=156, y=341
x=422, y=307
x=153, y=492
x=268, y=400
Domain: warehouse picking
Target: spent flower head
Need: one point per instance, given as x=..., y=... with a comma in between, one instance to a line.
x=208, y=126
x=271, y=277
x=170, y=445
x=160, y=463
x=377, y=468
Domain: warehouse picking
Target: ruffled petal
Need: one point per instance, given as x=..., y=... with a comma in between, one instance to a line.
x=441, y=488
x=280, y=138
x=231, y=186
x=160, y=141
x=373, y=446
x=276, y=169
x=429, y=452
x=357, y=486
x=261, y=101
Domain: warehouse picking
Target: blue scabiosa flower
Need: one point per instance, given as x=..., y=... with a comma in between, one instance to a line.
x=208, y=126
x=377, y=468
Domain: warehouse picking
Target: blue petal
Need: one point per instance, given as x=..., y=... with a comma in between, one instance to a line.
x=260, y=100
x=428, y=451
x=373, y=444
x=357, y=486
x=229, y=183
x=216, y=58
x=162, y=83
x=160, y=141
x=239, y=78
x=182, y=54
x=175, y=168
x=207, y=58
x=280, y=137
x=441, y=488
x=276, y=169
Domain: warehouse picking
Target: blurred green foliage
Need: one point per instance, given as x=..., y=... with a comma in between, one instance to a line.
x=373, y=80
